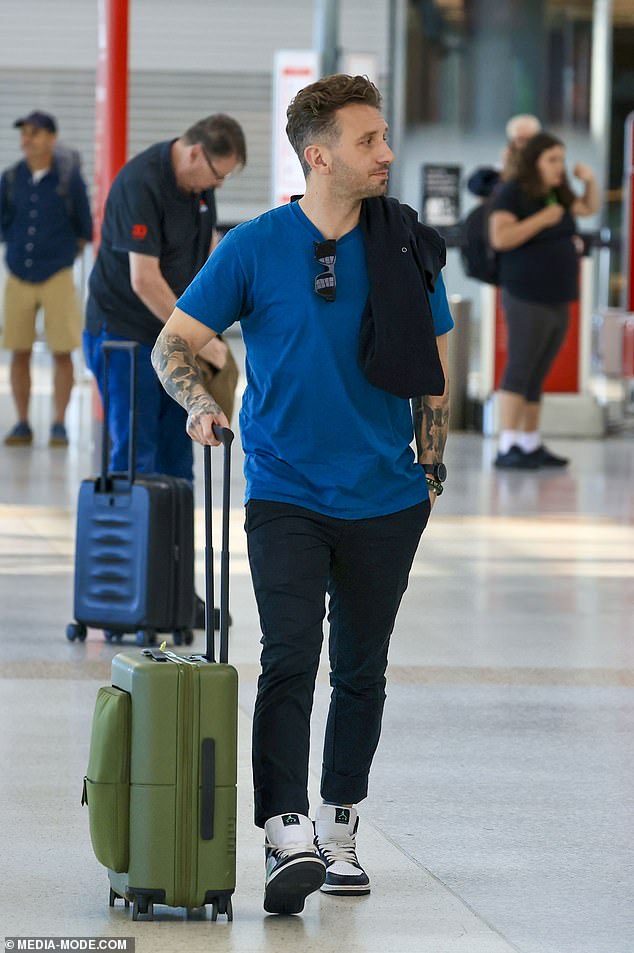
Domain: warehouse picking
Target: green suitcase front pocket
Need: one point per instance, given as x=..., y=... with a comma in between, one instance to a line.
x=107, y=782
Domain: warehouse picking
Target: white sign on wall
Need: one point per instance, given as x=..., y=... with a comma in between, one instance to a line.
x=361, y=64
x=293, y=69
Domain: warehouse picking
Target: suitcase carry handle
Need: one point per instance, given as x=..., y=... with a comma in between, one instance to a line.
x=226, y=438
x=132, y=348
x=207, y=788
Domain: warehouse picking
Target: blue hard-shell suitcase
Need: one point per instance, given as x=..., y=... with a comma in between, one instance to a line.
x=134, y=555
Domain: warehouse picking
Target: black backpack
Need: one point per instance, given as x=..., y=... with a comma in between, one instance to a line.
x=479, y=260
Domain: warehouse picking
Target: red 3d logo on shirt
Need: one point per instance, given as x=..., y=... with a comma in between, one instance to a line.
x=139, y=232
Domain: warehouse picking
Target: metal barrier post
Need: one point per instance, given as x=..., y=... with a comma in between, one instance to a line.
x=459, y=345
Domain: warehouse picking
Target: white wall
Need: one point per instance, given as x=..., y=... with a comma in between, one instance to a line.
x=190, y=35
x=187, y=59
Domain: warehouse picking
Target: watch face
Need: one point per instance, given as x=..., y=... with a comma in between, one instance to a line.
x=441, y=472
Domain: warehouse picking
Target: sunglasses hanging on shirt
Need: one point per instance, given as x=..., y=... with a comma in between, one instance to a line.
x=326, y=282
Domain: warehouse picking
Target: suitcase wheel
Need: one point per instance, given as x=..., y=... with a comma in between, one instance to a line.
x=76, y=630
x=142, y=907
x=111, y=636
x=146, y=637
x=117, y=896
x=183, y=635
x=221, y=905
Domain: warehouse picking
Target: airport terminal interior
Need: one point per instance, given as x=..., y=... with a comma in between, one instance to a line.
x=499, y=816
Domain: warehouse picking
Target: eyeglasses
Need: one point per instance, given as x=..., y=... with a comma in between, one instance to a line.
x=219, y=177
x=326, y=283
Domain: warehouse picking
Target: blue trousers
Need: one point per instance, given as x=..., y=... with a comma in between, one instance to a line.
x=298, y=556
x=162, y=442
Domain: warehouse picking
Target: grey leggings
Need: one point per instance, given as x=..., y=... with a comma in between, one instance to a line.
x=535, y=335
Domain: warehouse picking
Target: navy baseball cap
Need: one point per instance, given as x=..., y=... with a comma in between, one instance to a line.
x=37, y=118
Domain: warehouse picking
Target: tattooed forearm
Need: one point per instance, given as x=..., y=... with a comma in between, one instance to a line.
x=431, y=424
x=179, y=374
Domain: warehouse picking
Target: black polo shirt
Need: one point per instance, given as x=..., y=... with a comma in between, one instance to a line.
x=544, y=269
x=147, y=213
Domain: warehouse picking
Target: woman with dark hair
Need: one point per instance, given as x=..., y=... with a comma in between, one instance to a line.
x=532, y=227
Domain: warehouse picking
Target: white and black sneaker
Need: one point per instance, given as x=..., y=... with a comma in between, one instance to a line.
x=335, y=832
x=294, y=868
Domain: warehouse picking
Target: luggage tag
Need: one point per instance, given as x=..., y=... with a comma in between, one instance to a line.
x=160, y=655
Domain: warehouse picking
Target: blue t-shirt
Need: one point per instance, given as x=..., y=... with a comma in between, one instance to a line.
x=315, y=432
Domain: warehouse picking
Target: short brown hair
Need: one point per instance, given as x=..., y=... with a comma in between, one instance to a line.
x=312, y=113
x=219, y=135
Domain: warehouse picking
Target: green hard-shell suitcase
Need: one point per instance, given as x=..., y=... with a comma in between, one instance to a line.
x=161, y=780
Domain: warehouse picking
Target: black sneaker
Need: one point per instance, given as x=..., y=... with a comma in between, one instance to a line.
x=516, y=459
x=294, y=868
x=335, y=833
x=546, y=458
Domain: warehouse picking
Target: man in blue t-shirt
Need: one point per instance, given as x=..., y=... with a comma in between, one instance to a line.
x=336, y=500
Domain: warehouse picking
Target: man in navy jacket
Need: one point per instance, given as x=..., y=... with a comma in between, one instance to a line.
x=46, y=222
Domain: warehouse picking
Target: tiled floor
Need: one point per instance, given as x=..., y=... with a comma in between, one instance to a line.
x=500, y=816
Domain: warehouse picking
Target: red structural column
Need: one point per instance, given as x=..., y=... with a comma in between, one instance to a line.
x=111, y=132
x=628, y=213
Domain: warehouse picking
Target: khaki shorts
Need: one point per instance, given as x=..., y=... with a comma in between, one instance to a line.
x=58, y=298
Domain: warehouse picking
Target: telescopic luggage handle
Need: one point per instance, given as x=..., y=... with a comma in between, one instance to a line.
x=225, y=436
x=132, y=348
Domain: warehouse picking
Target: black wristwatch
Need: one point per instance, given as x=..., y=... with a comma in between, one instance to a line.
x=436, y=470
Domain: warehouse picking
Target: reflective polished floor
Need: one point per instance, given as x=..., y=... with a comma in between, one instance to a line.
x=500, y=814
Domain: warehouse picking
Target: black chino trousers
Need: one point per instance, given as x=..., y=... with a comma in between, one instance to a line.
x=298, y=556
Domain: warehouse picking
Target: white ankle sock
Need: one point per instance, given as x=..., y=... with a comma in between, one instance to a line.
x=507, y=439
x=529, y=441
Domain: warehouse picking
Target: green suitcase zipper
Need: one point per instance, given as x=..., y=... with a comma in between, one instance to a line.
x=184, y=786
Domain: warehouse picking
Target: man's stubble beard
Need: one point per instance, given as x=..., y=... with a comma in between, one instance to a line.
x=350, y=186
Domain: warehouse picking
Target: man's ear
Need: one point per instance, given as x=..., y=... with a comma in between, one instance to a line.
x=318, y=159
